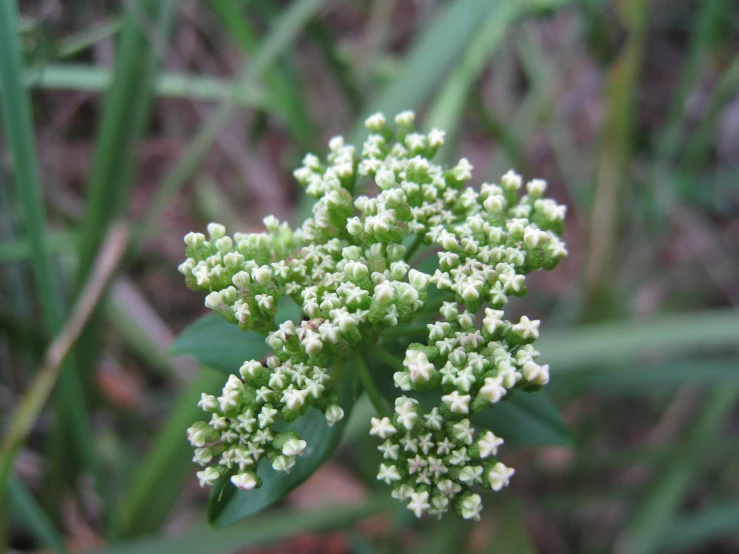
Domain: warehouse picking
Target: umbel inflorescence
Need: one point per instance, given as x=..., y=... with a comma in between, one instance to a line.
x=349, y=268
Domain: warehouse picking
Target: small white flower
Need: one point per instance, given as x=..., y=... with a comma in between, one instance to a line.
x=389, y=450
x=448, y=488
x=463, y=431
x=471, y=506
x=463, y=171
x=402, y=380
x=295, y=398
x=499, y=476
x=405, y=119
x=267, y=416
x=536, y=187
x=488, y=444
x=407, y=416
x=202, y=456
x=419, y=503
x=493, y=320
x=294, y=447
x=449, y=311
x=194, y=240
x=283, y=464
x=334, y=414
x=471, y=475
x=208, y=403
x=418, y=365
x=208, y=476
x=511, y=181
x=376, y=122
x=436, y=138
x=384, y=293
x=244, y=481
x=214, y=300
x=388, y=474
x=493, y=389
x=434, y=420
x=535, y=373
x=527, y=328
x=216, y=231
x=382, y=428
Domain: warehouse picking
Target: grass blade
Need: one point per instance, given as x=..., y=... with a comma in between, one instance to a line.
x=282, y=35
x=618, y=127
x=257, y=531
x=651, y=519
x=611, y=343
x=430, y=57
x=125, y=113
x=694, y=529
x=24, y=417
x=87, y=78
x=283, y=95
x=167, y=463
x=447, y=110
x=22, y=249
x=19, y=130
x=37, y=522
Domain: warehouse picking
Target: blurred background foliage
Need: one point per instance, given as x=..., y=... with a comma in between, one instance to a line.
x=127, y=124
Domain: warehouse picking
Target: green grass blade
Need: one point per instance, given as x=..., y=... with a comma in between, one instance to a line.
x=612, y=343
x=651, y=519
x=446, y=112
x=22, y=249
x=284, y=93
x=431, y=56
x=282, y=35
x=18, y=127
x=260, y=530
x=616, y=147
x=692, y=530
x=125, y=114
x=159, y=479
x=326, y=44
x=635, y=378
x=87, y=78
x=700, y=144
x=79, y=42
x=28, y=511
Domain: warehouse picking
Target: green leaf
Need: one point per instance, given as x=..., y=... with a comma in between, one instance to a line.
x=262, y=530
x=227, y=504
x=214, y=342
x=527, y=418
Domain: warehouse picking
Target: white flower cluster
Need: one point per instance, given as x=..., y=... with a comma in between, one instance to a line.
x=241, y=429
x=349, y=269
x=433, y=461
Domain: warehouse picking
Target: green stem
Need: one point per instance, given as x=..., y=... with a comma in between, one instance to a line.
x=382, y=355
x=412, y=250
x=406, y=331
x=369, y=387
